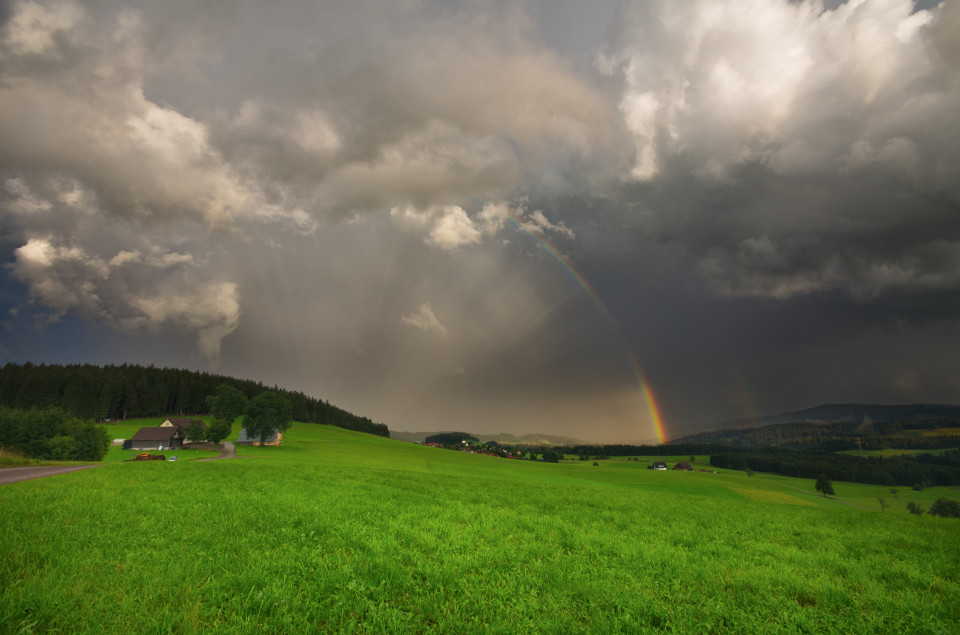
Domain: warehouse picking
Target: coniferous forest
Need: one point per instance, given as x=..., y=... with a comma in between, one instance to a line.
x=102, y=393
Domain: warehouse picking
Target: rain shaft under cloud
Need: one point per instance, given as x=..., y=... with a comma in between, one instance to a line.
x=389, y=205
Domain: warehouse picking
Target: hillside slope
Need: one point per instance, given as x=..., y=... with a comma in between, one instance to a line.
x=336, y=531
x=851, y=413
x=130, y=391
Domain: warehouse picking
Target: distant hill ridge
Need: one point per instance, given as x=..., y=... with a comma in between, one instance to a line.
x=852, y=413
x=835, y=427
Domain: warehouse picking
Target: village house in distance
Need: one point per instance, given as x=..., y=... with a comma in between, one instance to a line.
x=169, y=435
x=245, y=439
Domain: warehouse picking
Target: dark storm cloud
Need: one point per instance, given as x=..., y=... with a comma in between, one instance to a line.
x=790, y=150
x=394, y=205
x=790, y=230
x=324, y=113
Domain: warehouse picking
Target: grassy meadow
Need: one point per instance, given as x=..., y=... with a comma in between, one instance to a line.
x=346, y=532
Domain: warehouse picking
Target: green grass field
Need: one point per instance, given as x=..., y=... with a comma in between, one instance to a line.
x=337, y=531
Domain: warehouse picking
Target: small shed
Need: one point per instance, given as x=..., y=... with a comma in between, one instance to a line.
x=245, y=439
x=157, y=438
x=683, y=466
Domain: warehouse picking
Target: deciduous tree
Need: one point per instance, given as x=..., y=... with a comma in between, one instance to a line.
x=227, y=404
x=824, y=486
x=195, y=431
x=266, y=413
x=945, y=508
x=217, y=431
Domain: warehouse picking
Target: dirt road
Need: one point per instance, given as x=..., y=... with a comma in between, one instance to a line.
x=227, y=451
x=14, y=474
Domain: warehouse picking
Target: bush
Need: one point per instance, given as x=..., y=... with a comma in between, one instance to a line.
x=50, y=434
x=90, y=442
x=914, y=509
x=945, y=508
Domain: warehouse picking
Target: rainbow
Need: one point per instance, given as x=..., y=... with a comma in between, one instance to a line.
x=643, y=384
x=748, y=410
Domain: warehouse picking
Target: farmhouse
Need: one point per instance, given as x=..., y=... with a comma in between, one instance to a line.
x=658, y=465
x=157, y=438
x=182, y=423
x=245, y=439
x=683, y=466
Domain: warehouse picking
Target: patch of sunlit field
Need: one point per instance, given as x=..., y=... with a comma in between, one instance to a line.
x=942, y=432
x=336, y=531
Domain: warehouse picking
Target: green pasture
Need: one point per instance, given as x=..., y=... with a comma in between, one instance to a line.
x=118, y=455
x=336, y=531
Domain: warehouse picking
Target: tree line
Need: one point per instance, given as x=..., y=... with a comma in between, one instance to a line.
x=920, y=471
x=619, y=449
x=51, y=434
x=837, y=436
x=101, y=393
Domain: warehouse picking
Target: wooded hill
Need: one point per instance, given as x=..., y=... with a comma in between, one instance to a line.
x=104, y=393
x=917, y=434
x=918, y=471
x=532, y=439
x=862, y=414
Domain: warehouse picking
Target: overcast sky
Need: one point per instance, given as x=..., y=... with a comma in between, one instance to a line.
x=493, y=216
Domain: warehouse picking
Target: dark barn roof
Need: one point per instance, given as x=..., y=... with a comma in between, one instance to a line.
x=156, y=433
x=185, y=422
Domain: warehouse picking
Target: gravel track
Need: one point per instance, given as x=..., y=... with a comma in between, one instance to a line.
x=16, y=474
